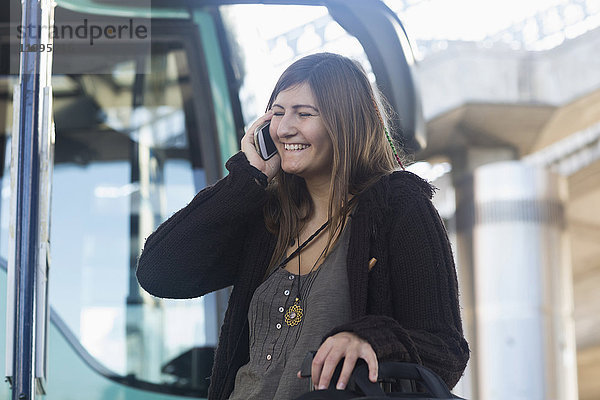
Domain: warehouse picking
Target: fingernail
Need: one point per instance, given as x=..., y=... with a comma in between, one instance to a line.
x=322, y=387
x=340, y=386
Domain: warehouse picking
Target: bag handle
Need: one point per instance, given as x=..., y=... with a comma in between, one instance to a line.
x=401, y=370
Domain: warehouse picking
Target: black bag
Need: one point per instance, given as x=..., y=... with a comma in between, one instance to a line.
x=361, y=388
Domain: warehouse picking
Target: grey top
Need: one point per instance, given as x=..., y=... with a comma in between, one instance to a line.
x=276, y=349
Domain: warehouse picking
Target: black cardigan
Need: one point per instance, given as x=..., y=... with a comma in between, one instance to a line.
x=406, y=307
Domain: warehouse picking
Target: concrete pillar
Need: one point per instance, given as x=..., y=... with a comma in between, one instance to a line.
x=464, y=161
x=522, y=285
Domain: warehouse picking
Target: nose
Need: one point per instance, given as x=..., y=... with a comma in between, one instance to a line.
x=286, y=126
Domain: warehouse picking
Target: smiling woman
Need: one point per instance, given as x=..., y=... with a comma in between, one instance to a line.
x=326, y=246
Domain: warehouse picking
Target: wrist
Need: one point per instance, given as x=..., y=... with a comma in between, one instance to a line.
x=240, y=162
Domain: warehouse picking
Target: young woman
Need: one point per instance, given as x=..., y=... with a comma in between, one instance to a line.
x=327, y=248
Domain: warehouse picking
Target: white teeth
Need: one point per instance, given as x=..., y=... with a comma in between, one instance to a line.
x=295, y=146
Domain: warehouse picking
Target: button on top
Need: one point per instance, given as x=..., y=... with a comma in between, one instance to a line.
x=287, y=292
x=268, y=357
x=280, y=309
x=278, y=326
x=291, y=277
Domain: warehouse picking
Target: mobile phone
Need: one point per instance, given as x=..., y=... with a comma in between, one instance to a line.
x=263, y=142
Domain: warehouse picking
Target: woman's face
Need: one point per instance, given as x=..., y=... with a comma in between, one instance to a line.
x=299, y=134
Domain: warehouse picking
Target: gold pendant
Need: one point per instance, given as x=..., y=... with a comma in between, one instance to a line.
x=293, y=316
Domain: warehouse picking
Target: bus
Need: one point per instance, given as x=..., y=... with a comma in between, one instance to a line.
x=113, y=115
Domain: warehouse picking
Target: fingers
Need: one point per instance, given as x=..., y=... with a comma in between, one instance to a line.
x=249, y=149
x=318, y=362
x=249, y=136
x=349, y=363
x=343, y=345
x=331, y=361
x=372, y=363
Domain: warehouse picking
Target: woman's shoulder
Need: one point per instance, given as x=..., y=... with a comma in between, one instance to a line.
x=395, y=191
x=398, y=186
x=407, y=192
x=406, y=183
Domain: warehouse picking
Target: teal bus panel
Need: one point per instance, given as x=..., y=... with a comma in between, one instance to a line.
x=69, y=376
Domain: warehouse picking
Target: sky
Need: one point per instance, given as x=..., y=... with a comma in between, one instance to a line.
x=466, y=19
x=533, y=25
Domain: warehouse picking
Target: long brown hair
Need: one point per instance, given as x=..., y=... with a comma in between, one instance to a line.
x=354, y=118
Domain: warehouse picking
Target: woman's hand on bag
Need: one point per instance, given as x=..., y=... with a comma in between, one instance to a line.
x=336, y=347
x=269, y=167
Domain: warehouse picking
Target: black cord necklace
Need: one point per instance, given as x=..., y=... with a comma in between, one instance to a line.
x=303, y=245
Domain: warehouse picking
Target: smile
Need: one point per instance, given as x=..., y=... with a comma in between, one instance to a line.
x=292, y=147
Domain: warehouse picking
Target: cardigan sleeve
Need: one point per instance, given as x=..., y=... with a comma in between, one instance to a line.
x=197, y=250
x=426, y=326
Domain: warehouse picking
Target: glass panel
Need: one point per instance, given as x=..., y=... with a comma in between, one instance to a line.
x=279, y=35
x=6, y=116
x=123, y=164
x=6, y=93
x=70, y=374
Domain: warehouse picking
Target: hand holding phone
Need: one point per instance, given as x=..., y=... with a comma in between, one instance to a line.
x=269, y=161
